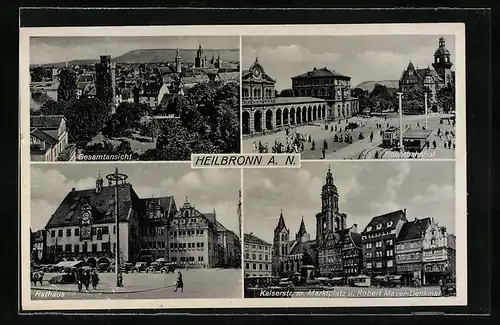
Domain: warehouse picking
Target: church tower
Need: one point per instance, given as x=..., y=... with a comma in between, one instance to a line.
x=302, y=235
x=178, y=64
x=199, y=61
x=280, y=244
x=329, y=219
x=442, y=63
x=99, y=183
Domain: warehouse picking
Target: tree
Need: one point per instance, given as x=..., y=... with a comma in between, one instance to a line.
x=446, y=98
x=85, y=117
x=286, y=93
x=124, y=148
x=67, y=85
x=413, y=99
x=52, y=107
x=363, y=97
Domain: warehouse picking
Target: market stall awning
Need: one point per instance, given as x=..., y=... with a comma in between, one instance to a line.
x=69, y=263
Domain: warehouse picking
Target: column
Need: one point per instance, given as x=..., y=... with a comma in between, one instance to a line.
x=251, y=122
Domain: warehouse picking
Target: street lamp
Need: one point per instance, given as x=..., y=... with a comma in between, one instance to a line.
x=401, y=147
x=425, y=94
x=117, y=178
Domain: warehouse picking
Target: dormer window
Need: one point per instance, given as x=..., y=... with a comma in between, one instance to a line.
x=379, y=226
x=369, y=228
x=389, y=224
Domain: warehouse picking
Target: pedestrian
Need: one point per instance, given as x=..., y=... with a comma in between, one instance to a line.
x=95, y=279
x=323, y=152
x=313, y=145
x=376, y=154
x=79, y=279
x=325, y=144
x=179, y=284
x=434, y=144
x=371, y=137
x=449, y=144
x=254, y=146
x=86, y=279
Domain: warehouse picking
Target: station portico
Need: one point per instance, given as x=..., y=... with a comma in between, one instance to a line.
x=263, y=111
x=283, y=112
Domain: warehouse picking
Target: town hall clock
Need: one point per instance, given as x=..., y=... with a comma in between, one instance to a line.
x=256, y=73
x=86, y=223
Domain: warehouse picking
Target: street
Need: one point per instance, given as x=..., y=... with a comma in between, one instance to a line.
x=198, y=283
x=364, y=148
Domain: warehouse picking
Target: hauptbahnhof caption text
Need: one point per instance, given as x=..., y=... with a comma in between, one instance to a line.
x=246, y=160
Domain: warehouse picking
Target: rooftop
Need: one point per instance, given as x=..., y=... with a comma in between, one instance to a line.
x=46, y=121
x=252, y=239
x=320, y=73
x=417, y=134
x=386, y=221
x=414, y=229
x=298, y=100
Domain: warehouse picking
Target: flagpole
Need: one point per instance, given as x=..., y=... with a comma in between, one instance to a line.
x=401, y=147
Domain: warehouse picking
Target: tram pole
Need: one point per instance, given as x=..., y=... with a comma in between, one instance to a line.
x=401, y=147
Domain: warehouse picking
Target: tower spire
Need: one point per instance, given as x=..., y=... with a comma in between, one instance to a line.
x=281, y=222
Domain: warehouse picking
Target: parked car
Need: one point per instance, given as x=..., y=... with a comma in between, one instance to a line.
x=104, y=267
x=168, y=268
x=140, y=267
x=153, y=267
x=127, y=267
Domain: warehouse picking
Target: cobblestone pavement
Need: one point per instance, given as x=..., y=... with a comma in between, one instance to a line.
x=198, y=283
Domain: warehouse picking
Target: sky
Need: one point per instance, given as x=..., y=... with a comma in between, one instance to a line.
x=207, y=189
x=366, y=190
x=363, y=58
x=59, y=49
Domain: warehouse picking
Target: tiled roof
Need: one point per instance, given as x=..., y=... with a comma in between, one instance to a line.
x=229, y=75
x=68, y=212
x=356, y=238
x=385, y=219
x=43, y=136
x=163, y=202
x=210, y=217
x=414, y=229
x=220, y=227
x=252, y=239
x=298, y=100
x=301, y=247
x=318, y=73
x=46, y=121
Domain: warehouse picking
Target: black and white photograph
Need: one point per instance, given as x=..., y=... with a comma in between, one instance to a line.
x=349, y=97
x=124, y=98
x=178, y=232
x=351, y=230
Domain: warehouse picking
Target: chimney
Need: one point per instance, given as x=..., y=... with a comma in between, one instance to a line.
x=404, y=212
x=251, y=234
x=73, y=189
x=354, y=228
x=314, y=69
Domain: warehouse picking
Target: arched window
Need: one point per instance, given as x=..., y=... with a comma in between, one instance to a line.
x=186, y=214
x=255, y=93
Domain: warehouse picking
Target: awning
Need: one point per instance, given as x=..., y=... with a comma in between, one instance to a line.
x=69, y=263
x=336, y=278
x=396, y=277
x=161, y=259
x=380, y=277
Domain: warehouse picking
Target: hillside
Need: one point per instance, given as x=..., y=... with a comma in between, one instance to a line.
x=369, y=85
x=158, y=55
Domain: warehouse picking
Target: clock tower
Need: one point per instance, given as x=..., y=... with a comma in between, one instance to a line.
x=329, y=219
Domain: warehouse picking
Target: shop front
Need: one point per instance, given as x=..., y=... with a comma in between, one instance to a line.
x=435, y=271
x=410, y=274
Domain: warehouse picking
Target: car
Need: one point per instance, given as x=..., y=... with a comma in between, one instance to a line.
x=140, y=267
x=153, y=267
x=168, y=268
